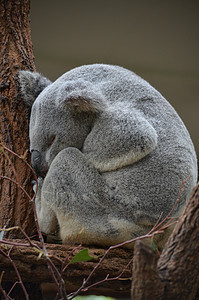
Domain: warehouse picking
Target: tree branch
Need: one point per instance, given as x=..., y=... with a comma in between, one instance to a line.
x=36, y=270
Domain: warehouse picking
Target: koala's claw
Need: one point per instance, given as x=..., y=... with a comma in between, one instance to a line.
x=39, y=182
x=34, y=185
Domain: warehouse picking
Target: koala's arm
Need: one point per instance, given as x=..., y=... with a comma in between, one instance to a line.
x=119, y=139
x=79, y=198
x=85, y=205
x=120, y=135
x=46, y=216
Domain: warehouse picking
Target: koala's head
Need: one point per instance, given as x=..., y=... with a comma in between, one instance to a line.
x=62, y=114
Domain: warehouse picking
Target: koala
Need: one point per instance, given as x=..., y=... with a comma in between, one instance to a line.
x=109, y=151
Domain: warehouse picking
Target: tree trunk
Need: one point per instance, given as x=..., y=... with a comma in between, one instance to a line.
x=175, y=275
x=16, y=54
x=178, y=265
x=146, y=283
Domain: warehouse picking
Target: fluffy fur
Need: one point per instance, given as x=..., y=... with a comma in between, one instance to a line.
x=114, y=149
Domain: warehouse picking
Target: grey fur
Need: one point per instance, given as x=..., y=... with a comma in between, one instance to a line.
x=115, y=150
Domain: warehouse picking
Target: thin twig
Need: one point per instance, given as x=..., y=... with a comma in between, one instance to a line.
x=1, y=288
x=17, y=272
x=52, y=268
x=26, y=163
x=10, y=162
x=107, y=278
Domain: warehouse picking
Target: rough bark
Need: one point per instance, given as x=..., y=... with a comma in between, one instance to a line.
x=146, y=283
x=15, y=54
x=178, y=265
x=34, y=270
x=175, y=275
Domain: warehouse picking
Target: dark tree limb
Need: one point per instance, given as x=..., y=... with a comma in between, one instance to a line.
x=146, y=283
x=35, y=270
x=178, y=265
x=175, y=275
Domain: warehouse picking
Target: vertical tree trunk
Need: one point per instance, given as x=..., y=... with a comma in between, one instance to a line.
x=16, y=53
x=178, y=265
x=175, y=274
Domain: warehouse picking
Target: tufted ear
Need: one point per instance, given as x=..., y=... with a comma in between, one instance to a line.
x=31, y=85
x=81, y=96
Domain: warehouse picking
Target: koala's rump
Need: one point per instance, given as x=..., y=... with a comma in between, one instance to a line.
x=151, y=186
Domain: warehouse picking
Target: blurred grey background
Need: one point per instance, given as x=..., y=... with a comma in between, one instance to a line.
x=157, y=39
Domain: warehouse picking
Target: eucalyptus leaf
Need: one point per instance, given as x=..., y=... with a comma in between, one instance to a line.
x=82, y=255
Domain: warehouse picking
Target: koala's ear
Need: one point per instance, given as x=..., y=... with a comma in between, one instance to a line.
x=82, y=97
x=31, y=85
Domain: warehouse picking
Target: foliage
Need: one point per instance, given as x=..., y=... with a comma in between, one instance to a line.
x=82, y=255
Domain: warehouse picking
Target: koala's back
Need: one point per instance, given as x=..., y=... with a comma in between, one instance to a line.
x=153, y=183
x=127, y=93
x=113, y=81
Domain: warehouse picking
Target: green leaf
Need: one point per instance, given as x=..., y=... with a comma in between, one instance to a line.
x=82, y=255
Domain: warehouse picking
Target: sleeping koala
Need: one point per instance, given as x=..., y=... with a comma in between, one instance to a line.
x=110, y=153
